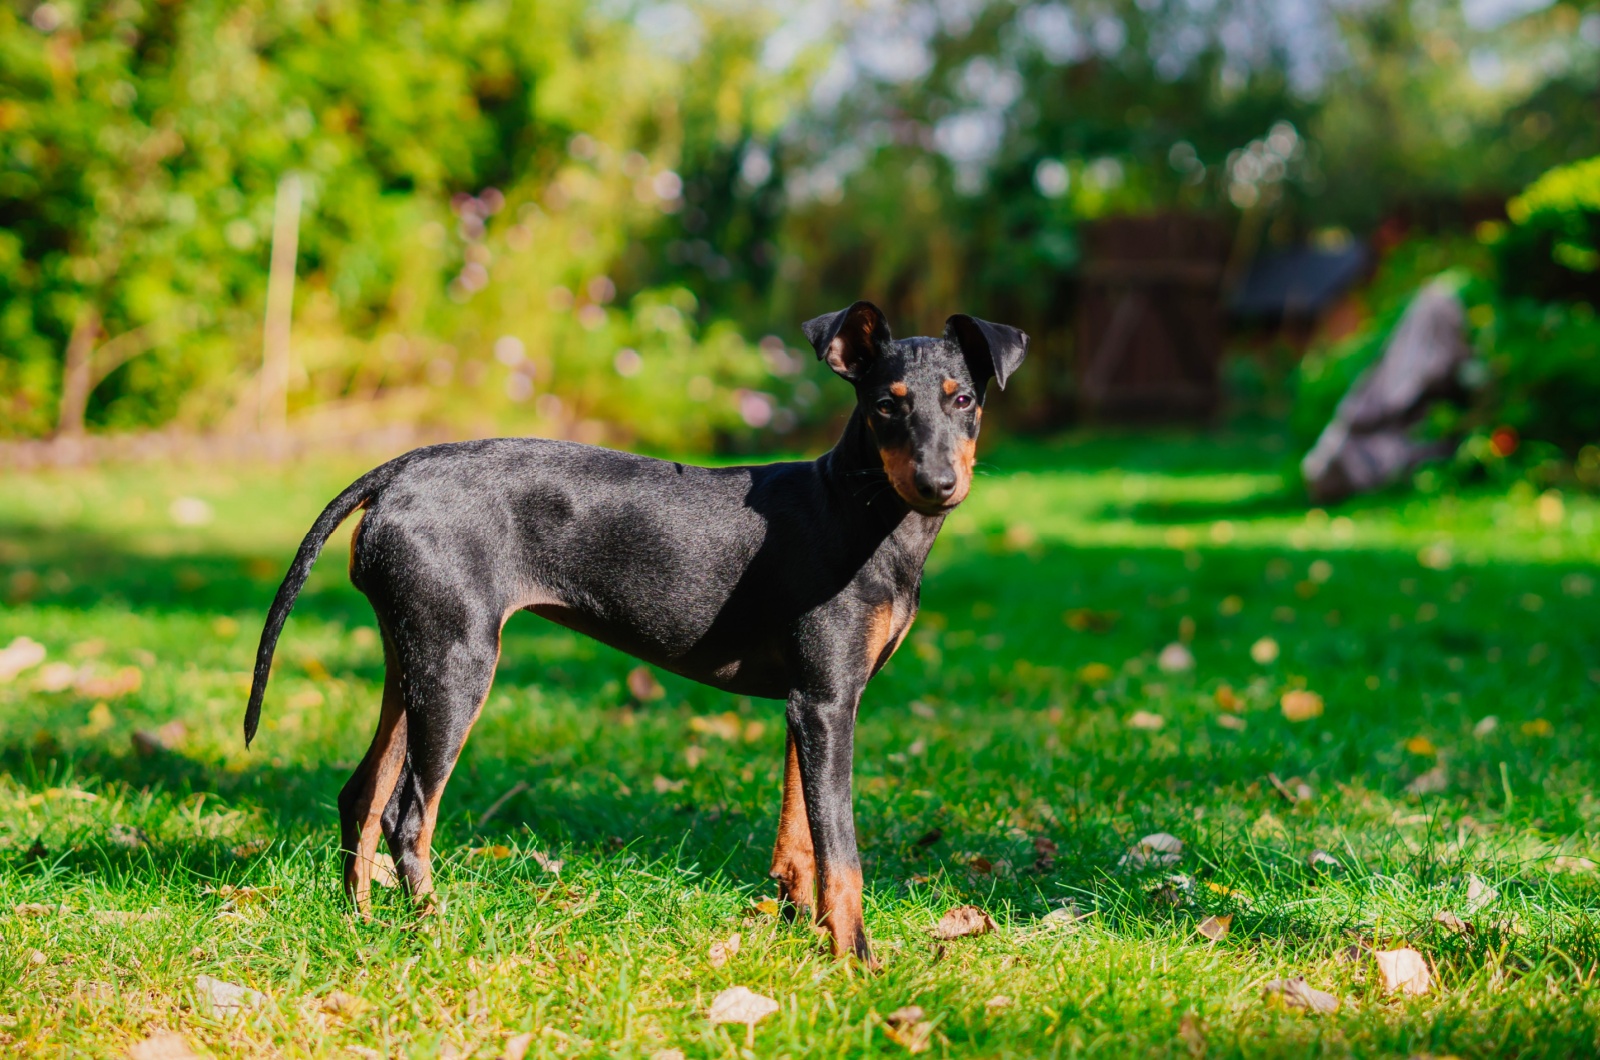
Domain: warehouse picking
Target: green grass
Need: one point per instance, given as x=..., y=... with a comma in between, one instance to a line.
x=1411, y=616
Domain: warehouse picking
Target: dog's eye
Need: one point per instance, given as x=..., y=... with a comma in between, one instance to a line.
x=886, y=407
x=963, y=401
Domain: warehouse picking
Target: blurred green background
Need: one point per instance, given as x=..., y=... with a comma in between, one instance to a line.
x=604, y=221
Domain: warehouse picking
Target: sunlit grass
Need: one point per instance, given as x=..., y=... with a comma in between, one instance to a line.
x=1002, y=722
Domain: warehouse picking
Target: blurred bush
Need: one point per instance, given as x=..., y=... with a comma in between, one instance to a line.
x=1551, y=249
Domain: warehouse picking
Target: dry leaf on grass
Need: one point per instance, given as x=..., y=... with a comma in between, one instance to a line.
x=1297, y=993
x=643, y=685
x=383, y=871
x=38, y=909
x=1300, y=705
x=663, y=786
x=496, y=851
x=1215, y=927
x=1479, y=894
x=1431, y=782
x=21, y=654
x=1322, y=861
x=1143, y=719
x=1452, y=923
x=517, y=1046
x=1264, y=651
x=149, y=741
x=998, y=1002
x=721, y=951
x=1175, y=658
x=547, y=863
x=162, y=1045
x=908, y=1028
x=340, y=1004
x=1065, y=917
x=1193, y=1034
x=962, y=921
x=724, y=726
x=667, y=1054
x=1572, y=863
x=740, y=1004
x=1486, y=725
x=1405, y=970
x=226, y=998
x=1155, y=849
x=1231, y=721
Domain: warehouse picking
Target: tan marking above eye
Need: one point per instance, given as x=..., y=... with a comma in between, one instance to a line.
x=951, y=386
x=897, y=389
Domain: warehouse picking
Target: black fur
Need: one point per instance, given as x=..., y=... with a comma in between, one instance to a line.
x=790, y=581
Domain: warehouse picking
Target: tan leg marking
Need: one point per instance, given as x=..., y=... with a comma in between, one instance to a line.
x=839, y=911
x=794, y=862
x=386, y=756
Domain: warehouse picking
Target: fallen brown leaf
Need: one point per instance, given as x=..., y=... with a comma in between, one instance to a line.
x=1452, y=923
x=725, y=726
x=1193, y=1034
x=23, y=653
x=642, y=684
x=962, y=921
x=1297, y=993
x=722, y=950
x=1227, y=699
x=124, y=682
x=998, y=1002
x=740, y=1004
x=162, y=1045
x=930, y=837
x=1405, y=970
x=1145, y=721
x=667, y=1054
x=1231, y=721
x=547, y=863
x=148, y=742
x=496, y=851
x=1479, y=894
x=1215, y=927
x=1299, y=705
x=1175, y=658
x=663, y=786
x=340, y=1004
x=38, y=909
x=517, y=1046
x=1155, y=849
x=226, y=998
x=1431, y=782
x=1322, y=861
x=908, y=1028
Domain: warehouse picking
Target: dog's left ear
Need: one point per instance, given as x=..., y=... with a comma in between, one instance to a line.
x=992, y=350
x=850, y=339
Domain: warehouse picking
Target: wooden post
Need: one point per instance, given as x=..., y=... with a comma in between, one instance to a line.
x=274, y=408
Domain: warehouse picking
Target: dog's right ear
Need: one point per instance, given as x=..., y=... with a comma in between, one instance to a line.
x=850, y=339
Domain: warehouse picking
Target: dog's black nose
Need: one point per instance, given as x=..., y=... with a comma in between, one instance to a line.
x=936, y=485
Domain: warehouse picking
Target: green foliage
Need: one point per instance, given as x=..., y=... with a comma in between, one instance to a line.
x=1551, y=250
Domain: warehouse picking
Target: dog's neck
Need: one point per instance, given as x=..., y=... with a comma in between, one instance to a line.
x=854, y=468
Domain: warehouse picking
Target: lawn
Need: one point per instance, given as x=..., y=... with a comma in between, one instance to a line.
x=1036, y=725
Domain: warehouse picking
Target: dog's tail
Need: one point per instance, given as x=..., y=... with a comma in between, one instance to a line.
x=355, y=496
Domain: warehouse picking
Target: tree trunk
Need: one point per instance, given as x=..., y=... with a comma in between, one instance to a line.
x=77, y=377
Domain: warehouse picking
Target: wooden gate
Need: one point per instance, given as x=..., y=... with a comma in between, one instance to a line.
x=1150, y=322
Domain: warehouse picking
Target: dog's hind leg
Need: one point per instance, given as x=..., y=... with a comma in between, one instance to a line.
x=442, y=701
x=368, y=791
x=794, y=865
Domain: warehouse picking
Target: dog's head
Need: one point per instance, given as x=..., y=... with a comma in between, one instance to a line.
x=922, y=398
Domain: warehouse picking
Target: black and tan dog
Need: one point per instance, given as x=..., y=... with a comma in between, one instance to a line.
x=792, y=581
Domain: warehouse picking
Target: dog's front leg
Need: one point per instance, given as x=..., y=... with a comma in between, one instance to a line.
x=824, y=736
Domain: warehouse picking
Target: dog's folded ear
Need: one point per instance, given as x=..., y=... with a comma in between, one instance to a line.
x=850, y=339
x=993, y=351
